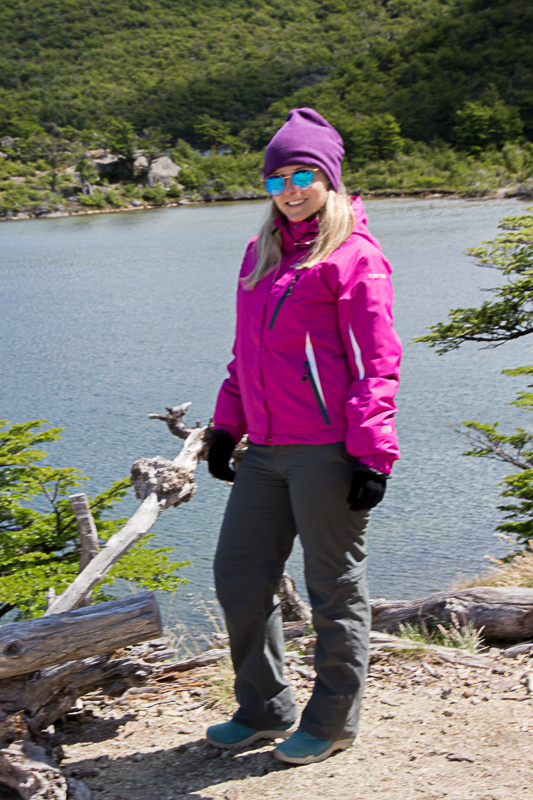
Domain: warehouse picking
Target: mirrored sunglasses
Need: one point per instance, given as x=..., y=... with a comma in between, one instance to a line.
x=301, y=179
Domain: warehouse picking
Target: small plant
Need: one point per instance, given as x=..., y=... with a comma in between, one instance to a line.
x=174, y=192
x=464, y=637
x=416, y=633
x=221, y=694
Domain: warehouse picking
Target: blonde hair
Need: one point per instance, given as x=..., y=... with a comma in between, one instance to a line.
x=335, y=224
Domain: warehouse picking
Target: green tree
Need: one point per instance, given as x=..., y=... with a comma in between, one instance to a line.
x=54, y=149
x=154, y=143
x=119, y=138
x=39, y=540
x=216, y=135
x=508, y=317
x=515, y=449
x=489, y=122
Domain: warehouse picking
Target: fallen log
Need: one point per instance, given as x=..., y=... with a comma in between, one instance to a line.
x=103, y=628
x=504, y=613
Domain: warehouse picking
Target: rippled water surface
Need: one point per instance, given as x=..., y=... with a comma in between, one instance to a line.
x=107, y=318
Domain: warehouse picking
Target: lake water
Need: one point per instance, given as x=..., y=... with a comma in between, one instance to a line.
x=106, y=318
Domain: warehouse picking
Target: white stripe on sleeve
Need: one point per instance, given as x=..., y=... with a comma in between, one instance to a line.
x=356, y=353
x=310, y=353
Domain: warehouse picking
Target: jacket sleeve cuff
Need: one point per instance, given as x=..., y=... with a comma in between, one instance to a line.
x=237, y=433
x=378, y=461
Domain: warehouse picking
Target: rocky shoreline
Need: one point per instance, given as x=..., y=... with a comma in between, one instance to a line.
x=507, y=193
x=433, y=726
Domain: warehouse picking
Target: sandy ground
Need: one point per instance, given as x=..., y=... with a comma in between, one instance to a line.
x=430, y=729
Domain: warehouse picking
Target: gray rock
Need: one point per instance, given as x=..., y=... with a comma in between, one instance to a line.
x=162, y=170
x=525, y=189
x=7, y=141
x=141, y=163
x=135, y=203
x=110, y=166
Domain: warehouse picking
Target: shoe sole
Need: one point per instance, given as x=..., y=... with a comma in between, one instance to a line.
x=255, y=737
x=342, y=744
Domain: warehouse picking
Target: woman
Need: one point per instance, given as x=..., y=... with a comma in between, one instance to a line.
x=312, y=382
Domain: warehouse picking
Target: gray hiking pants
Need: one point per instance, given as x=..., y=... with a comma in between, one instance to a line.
x=281, y=491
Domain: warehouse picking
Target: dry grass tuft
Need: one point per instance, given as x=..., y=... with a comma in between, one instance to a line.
x=221, y=695
x=516, y=572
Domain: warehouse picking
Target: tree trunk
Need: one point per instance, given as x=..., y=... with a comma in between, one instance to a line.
x=504, y=613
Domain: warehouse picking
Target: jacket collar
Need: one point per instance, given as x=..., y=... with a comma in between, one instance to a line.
x=296, y=236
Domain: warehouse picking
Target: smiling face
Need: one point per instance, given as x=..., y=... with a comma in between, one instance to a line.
x=299, y=204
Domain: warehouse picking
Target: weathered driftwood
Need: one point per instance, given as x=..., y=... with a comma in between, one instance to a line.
x=28, y=705
x=27, y=768
x=201, y=660
x=504, y=613
x=293, y=608
x=86, y=527
x=159, y=484
x=34, y=701
x=103, y=628
x=27, y=757
x=174, y=420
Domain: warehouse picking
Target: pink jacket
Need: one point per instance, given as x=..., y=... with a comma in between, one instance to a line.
x=316, y=358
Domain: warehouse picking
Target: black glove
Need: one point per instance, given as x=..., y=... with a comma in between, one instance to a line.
x=220, y=450
x=368, y=488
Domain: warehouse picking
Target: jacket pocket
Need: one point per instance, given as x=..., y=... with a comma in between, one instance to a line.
x=312, y=375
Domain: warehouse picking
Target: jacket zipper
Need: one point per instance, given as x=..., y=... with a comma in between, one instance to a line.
x=309, y=375
x=286, y=293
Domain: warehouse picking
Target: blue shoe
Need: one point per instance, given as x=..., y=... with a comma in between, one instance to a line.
x=233, y=734
x=303, y=748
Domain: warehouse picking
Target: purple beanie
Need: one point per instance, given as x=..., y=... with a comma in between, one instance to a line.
x=306, y=138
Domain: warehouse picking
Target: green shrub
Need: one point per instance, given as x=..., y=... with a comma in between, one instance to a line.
x=95, y=200
x=40, y=543
x=114, y=199
x=155, y=195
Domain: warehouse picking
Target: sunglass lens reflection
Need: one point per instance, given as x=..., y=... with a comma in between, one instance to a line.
x=274, y=185
x=303, y=178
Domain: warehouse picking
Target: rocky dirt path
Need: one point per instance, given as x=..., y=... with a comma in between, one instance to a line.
x=430, y=729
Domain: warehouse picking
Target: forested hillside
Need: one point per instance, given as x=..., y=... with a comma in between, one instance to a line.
x=394, y=76
x=165, y=62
